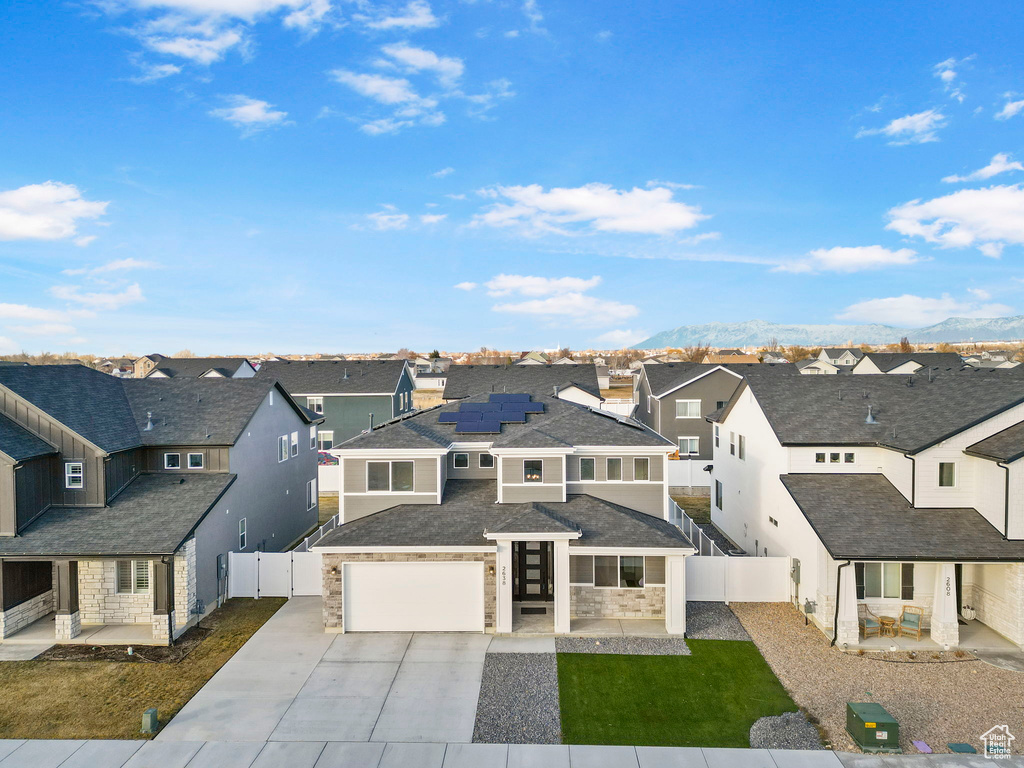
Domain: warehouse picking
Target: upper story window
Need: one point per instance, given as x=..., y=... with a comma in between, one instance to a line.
x=720, y=404
x=717, y=431
x=732, y=443
x=172, y=461
x=460, y=461
x=588, y=469
x=486, y=461
x=325, y=439
x=947, y=474
x=74, y=475
x=295, y=443
x=311, y=496
x=614, y=467
x=389, y=476
x=741, y=447
x=312, y=437
x=819, y=457
x=687, y=409
x=641, y=468
x=195, y=461
x=533, y=471
x=315, y=404
x=241, y=534
x=282, y=448
x=689, y=446
x=849, y=458
x=833, y=458
x=718, y=493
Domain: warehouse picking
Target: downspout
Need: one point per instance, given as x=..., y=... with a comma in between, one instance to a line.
x=913, y=477
x=835, y=618
x=1006, y=500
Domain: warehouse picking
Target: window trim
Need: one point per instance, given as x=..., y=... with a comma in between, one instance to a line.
x=717, y=436
x=69, y=475
x=647, y=460
x=312, y=498
x=294, y=444
x=618, y=571
x=741, y=447
x=540, y=480
x=202, y=460
x=314, y=441
x=312, y=401
x=282, y=448
x=455, y=460
x=480, y=460
x=133, y=571
x=391, y=475
x=593, y=470
x=689, y=402
x=168, y=455
x=732, y=443
x=688, y=452
x=719, y=495
x=320, y=441
x=243, y=537
x=607, y=464
x=956, y=474
x=861, y=587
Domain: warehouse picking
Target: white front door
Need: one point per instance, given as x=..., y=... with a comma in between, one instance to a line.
x=413, y=597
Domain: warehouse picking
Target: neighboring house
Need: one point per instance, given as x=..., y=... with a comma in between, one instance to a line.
x=499, y=508
x=841, y=356
x=533, y=358
x=816, y=366
x=120, y=367
x=431, y=364
x=604, y=379
x=564, y=361
x=576, y=383
x=142, y=366
x=351, y=395
x=120, y=498
x=773, y=358
x=889, y=492
x=906, y=362
x=430, y=380
x=202, y=368
x=736, y=357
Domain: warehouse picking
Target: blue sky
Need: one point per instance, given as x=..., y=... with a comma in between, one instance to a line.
x=329, y=175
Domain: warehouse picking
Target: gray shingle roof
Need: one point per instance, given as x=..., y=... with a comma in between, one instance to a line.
x=152, y=516
x=468, y=510
x=89, y=402
x=1005, y=446
x=537, y=518
x=667, y=376
x=20, y=444
x=314, y=377
x=911, y=412
x=840, y=351
x=886, y=361
x=469, y=380
x=193, y=367
x=563, y=424
x=864, y=517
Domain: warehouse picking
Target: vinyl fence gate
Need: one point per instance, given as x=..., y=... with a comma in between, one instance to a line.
x=274, y=574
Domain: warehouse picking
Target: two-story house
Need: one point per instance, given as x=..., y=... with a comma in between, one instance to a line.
x=120, y=498
x=503, y=509
x=889, y=491
x=844, y=357
x=576, y=383
x=201, y=368
x=906, y=362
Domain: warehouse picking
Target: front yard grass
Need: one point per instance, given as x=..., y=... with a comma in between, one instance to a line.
x=708, y=699
x=105, y=700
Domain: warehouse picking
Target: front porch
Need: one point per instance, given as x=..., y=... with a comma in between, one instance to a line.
x=43, y=632
x=535, y=623
x=974, y=636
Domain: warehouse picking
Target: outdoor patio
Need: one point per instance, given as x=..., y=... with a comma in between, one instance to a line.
x=42, y=632
x=974, y=636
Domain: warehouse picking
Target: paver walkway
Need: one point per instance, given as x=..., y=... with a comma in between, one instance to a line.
x=318, y=754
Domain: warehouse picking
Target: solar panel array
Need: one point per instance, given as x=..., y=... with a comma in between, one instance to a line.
x=487, y=418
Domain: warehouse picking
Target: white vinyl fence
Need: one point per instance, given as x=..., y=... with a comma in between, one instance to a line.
x=692, y=531
x=738, y=579
x=618, y=405
x=274, y=574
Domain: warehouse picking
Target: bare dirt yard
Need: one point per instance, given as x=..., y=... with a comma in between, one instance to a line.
x=936, y=697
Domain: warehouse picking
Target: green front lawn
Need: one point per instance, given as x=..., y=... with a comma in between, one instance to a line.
x=709, y=699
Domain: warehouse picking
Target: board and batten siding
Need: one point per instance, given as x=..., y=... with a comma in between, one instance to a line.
x=121, y=468
x=474, y=471
x=215, y=458
x=34, y=488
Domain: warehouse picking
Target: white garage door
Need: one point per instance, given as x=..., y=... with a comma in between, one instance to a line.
x=413, y=597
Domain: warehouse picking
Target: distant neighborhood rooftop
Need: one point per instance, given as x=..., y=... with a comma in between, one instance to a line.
x=466, y=380
x=316, y=377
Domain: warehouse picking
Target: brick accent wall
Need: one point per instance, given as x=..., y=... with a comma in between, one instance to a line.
x=20, y=616
x=99, y=602
x=332, y=592
x=594, y=603
x=67, y=626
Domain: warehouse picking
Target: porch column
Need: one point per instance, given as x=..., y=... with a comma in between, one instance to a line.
x=504, y=586
x=675, y=594
x=68, y=624
x=563, y=597
x=945, y=628
x=847, y=627
x=163, y=600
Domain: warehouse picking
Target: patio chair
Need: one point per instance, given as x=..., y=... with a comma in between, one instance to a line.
x=911, y=621
x=870, y=626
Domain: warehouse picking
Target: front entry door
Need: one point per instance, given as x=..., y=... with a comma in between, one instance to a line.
x=533, y=570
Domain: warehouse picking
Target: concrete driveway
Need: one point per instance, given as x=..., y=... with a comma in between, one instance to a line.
x=293, y=682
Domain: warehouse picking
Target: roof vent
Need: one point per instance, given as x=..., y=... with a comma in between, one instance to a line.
x=345, y=376
x=871, y=417
x=149, y=422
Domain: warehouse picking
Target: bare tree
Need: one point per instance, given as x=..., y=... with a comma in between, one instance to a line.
x=795, y=353
x=696, y=353
x=184, y=353
x=772, y=345
x=905, y=345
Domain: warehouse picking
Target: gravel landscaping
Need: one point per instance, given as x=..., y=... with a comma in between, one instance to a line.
x=713, y=621
x=627, y=646
x=933, y=702
x=524, y=713
x=791, y=730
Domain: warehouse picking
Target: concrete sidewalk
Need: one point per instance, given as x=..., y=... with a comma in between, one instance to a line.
x=336, y=754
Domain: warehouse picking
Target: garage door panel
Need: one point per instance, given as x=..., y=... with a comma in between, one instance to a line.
x=413, y=597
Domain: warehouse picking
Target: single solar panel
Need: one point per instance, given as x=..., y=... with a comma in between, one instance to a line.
x=477, y=427
x=467, y=407
x=449, y=418
x=533, y=407
x=510, y=398
x=511, y=417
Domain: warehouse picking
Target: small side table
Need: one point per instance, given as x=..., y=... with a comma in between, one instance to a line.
x=888, y=626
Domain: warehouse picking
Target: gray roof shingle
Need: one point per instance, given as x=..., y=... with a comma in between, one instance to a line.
x=1006, y=446
x=864, y=517
x=20, y=444
x=664, y=377
x=193, y=367
x=314, y=377
x=886, y=361
x=469, y=380
x=468, y=511
x=152, y=516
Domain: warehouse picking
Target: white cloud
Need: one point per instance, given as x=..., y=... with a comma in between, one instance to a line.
x=7, y=346
x=389, y=218
x=447, y=69
x=465, y=286
x=527, y=285
x=620, y=339
x=577, y=307
x=119, y=265
x=851, y=259
x=980, y=293
x=456, y=197
x=598, y=207
x=671, y=184
x=918, y=311
x=251, y=115
x=47, y=211
x=24, y=312
x=433, y=218
x=197, y=47
x=410, y=107
x=919, y=128
x=1000, y=163
x=43, y=329
x=533, y=15
x=496, y=90
x=946, y=71
x=1010, y=109
x=443, y=172
x=987, y=218
x=152, y=72
x=603, y=36
x=415, y=15
x=132, y=294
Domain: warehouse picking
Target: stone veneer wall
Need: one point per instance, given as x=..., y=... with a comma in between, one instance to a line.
x=332, y=592
x=594, y=603
x=20, y=616
x=99, y=602
x=185, y=593
x=1003, y=614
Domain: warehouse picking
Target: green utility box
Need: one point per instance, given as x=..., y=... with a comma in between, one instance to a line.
x=872, y=728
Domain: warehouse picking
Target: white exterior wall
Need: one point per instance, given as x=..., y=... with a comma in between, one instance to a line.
x=1016, y=530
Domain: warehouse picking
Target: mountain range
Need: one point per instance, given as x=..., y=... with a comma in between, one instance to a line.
x=759, y=332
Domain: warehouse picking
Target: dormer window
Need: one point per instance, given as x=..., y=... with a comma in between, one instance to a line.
x=74, y=475
x=195, y=461
x=172, y=461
